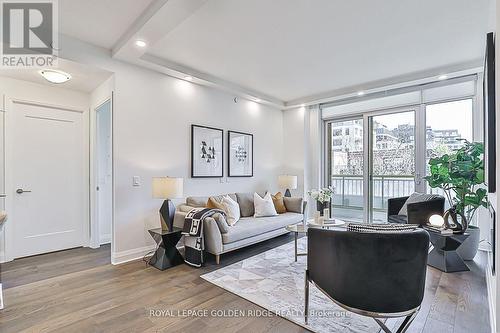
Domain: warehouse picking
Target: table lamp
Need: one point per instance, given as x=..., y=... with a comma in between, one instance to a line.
x=167, y=188
x=287, y=182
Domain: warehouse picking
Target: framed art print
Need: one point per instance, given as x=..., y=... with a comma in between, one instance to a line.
x=240, y=149
x=207, y=158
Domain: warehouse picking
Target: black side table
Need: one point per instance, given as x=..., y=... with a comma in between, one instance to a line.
x=444, y=255
x=166, y=255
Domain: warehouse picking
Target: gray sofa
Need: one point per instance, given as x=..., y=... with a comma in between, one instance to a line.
x=220, y=238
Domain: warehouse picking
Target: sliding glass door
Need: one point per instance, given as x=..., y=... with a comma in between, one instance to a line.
x=392, y=160
x=385, y=154
x=379, y=147
x=346, y=161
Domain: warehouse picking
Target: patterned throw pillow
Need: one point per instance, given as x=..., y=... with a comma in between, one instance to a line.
x=387, y=228
x=278, y=202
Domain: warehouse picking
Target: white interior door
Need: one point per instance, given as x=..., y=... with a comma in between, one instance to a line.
x=104, y=172
x=48, y=179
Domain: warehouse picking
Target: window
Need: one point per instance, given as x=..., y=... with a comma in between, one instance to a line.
x=405, y=130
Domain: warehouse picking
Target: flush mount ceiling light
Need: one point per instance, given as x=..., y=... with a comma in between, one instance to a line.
x=258, y=100
x=442, y=77
x=361, y=93
x=140, y=43
x=188, y=78
x=54, y=76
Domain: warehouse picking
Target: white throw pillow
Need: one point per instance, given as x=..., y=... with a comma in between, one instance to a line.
x=264, y=206
x=232, y=210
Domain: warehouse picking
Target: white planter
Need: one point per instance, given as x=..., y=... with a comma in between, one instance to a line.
x=469, y=247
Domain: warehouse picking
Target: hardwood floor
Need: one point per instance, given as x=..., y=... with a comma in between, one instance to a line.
x=80, y=291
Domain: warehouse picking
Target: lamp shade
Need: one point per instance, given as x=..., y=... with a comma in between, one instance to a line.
x=287, y=182
x=167, y=187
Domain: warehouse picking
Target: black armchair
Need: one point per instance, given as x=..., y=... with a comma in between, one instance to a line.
x=379, y=275
x=418, y=212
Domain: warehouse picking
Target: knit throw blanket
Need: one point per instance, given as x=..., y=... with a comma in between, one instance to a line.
x=193, y=234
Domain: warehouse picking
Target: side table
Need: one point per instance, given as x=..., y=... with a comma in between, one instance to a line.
x=166, y=255
x=444, y=255
x=297, y=229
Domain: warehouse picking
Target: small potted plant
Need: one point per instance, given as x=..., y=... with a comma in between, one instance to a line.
x=323, y=197
x=461, y=176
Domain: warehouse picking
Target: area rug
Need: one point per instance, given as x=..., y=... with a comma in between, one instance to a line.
x=274, y=281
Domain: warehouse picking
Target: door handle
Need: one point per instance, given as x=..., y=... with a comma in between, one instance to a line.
x=3, y=195
x=21, y=191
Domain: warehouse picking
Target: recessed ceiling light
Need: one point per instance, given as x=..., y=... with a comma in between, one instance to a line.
x=54, y=76
x=140, y=43
x=361, y=93
x=442, y=77
x=188, y=78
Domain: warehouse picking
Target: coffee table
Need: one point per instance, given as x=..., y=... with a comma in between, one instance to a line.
x=297, y=229
x=332, y=223
x=302, y=229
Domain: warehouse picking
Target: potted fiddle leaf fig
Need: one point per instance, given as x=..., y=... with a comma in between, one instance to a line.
x=461, y=177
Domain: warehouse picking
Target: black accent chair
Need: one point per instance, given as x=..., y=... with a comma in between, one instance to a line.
x=418, y=212
x=379, y=275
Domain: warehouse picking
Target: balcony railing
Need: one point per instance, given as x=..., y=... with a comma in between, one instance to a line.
x=349, y=190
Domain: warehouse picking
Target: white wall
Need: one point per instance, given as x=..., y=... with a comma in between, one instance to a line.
x=152, y=115
x=28, y=91
x=294, y=147
x=302, y=148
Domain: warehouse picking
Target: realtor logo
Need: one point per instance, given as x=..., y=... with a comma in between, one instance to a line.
x=29, y=35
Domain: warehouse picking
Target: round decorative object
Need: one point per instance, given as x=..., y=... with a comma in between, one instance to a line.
x=458, y=221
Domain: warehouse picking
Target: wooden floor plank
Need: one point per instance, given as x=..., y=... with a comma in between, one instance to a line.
x=80, y=291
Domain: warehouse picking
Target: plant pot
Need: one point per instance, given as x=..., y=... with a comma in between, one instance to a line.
x=469, y=247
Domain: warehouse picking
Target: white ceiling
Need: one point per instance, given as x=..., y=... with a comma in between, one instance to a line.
x=99, y=22
x=290, y=49
x=84, y=78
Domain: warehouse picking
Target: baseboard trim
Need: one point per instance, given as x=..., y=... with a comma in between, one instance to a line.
x=122, y=257
x=105, y=239
x=491, y=290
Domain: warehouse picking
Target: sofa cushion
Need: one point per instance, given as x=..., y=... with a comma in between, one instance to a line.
x=221, y=222
x=202, y=201
x=279, y=205
x=215, y=203
x=250, y=226
x=293, y=204
x=245, y=200
x=232, y=210
x=401, y=219
x=264, y=207
x=416, y=197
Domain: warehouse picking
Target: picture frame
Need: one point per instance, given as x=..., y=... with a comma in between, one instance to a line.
x=240, y=154
x=207, y=152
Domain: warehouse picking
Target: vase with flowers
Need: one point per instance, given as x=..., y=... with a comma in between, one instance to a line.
x=323, y=197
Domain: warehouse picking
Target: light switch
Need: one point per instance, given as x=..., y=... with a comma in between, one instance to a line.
x=136, y=181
